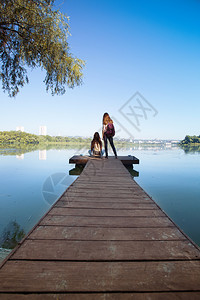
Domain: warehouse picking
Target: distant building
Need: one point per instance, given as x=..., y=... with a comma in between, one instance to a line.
x=20, y=128
x=43, y=130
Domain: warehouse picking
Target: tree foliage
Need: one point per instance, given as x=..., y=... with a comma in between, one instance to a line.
x=191, y=140
x=23, y=138
x=33, y=34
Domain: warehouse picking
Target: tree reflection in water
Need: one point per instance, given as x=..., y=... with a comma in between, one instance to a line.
x=12, y=235
x=188, y=149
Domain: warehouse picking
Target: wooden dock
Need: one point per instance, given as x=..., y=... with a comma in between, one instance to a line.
x=83, y=159
x=105, y=238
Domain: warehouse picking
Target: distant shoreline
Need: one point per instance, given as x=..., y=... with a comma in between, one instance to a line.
x=16, y=138
x=191, y=140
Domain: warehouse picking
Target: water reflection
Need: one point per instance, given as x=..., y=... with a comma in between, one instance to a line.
x=77, y=170
x=42, y=148
x=42, y=154
x=133, y=172
x=28, y=188
x=20, y=157
x=20, y=150
x=12, y=235
x=190, y=149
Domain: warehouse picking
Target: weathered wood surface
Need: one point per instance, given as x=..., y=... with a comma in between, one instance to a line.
x=105, y=238
x=106, y=221
x=107, y=205
x=105, y=250
x=83, y=159
x=62, y=276
x=105, y=296
x=108, y=234
x=102, y=212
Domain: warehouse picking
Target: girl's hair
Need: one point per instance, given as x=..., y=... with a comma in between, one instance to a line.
x=96, y=139
x=107, y=119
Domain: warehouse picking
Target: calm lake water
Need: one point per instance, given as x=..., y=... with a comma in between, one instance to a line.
x=31, y=183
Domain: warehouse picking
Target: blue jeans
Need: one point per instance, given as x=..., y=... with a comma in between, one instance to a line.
x=110, y=138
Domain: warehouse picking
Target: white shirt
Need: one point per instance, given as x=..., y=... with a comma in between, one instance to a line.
x=104, y=128
x=97, y=147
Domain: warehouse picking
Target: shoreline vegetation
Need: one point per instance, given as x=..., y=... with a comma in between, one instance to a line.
x=18, y=142
x=192, y=140
x=191, y=144
x=23, y=138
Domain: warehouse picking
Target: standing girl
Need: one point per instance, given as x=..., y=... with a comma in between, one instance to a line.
x=108, y=132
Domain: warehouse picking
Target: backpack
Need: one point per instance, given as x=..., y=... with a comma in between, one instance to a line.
x=110, y=130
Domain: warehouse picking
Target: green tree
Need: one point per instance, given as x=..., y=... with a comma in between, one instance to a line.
x=34, y=34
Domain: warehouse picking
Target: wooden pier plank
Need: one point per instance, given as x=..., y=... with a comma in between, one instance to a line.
x=107, y=221
x=112, y=199
x=53, y=276
x=82, y=160
x=100, y=193
x=92, y=212
x=110, y=234
x=106, y=250
x=107, y=205
x=105, y=296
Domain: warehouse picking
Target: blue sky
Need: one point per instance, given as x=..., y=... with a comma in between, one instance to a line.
x=148, y=47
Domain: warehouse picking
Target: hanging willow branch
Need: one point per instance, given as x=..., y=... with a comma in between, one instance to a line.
x=32, y=34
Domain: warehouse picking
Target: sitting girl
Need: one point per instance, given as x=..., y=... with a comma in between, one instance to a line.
x=96, y=146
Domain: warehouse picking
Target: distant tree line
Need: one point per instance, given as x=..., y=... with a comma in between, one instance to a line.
x=191, y=140
x=24, y=138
